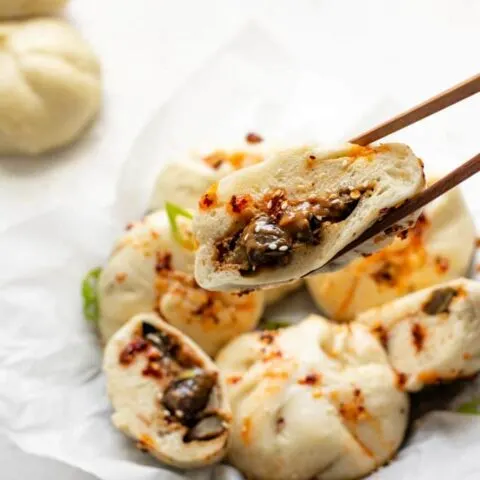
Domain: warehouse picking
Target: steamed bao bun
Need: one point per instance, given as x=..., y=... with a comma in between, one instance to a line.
x=166, y=393
x=315, y=400
x=437, y=249
x=432, y=335
x=24, y=8
x=51, y=86
x=184, y=182
x=149, y=270
x=288, y=216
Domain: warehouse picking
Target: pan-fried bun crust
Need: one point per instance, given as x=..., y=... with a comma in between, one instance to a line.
x=315, y=400
x=151, y=370
x=432, y=335
x=308, y=201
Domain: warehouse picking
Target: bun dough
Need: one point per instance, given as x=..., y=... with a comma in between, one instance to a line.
x=140, y=376
x=21, y=8
x=184, y=182
x=151, y=271
x=51, y=86
x=274, y=295
x=370, y=179
x=425, y=347
x=437, y=249
x=315, y=400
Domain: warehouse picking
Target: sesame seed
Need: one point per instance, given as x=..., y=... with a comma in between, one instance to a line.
x=355, y=194
x=269, y=204
x=272, y=246
x=345, y=163
x=284, y=205
x=257, y=229
x=246, y=237
x=283, y=248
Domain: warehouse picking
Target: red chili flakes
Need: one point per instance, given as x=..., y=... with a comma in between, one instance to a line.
x=120, y=277
x=477, y=242
x=216, y=159
x=238, y=203
x=401, y=380
x=129, y=226
x=153, y=369
x=145, y=443
x=246, y=431
x=382, y=334
x=441, y=264
x=253, y=138
x=202, y=309
x=233, y=379
x=355, y=409
x=128, y=353
x=467, y=356
x=270, y=355
x=209, y=198
x=279, y=424
x=164, y=262
x=418, y=336
x=311, y=161
x=310, y=379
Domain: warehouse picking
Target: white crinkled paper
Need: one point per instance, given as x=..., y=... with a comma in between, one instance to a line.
x=52, y=397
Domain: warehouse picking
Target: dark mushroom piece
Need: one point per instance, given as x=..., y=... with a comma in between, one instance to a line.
x=207, y=428
x=186, y=397
x=265, y=242
x=440, y=301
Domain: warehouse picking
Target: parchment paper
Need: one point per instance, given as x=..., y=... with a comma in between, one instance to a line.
x=52, y=397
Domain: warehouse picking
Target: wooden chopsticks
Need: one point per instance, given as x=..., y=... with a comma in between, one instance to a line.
x=471, y=167
x=448, y=182
x=435, y=104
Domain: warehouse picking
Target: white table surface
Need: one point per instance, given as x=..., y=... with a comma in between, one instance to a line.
x=150, y=47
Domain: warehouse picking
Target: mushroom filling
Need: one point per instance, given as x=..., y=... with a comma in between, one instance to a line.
x=439, y=301
x=190, y=395
x=272, y=230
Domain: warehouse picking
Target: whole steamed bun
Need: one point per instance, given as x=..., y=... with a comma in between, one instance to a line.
x=25, y=8
x=51, y=86
x=315, y=400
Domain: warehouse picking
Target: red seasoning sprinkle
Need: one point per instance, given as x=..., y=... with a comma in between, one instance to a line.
x=238, y=203
x=477, y=242
x=418, y=336
x=310, y=379
x=253, y=138
x=164, y=262
x=130, y=350
x=401, y=380
x=120, y=277
x=441, y=264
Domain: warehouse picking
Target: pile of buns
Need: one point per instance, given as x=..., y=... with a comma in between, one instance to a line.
x=327, y=398
x=51, y=81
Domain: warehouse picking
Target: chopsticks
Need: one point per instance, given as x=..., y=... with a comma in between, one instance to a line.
x=448, y=182
x=433, y=105
x=471, y=167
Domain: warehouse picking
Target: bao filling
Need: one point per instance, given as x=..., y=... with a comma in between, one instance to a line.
x=190, y=395
x=275, y=227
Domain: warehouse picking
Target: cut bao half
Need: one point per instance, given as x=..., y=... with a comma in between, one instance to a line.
x=166, y=393
x=290, y=215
